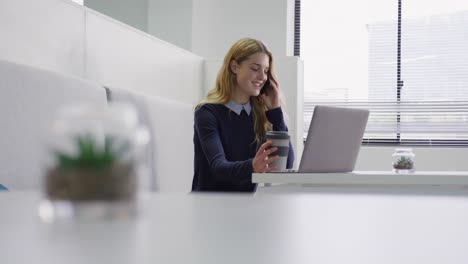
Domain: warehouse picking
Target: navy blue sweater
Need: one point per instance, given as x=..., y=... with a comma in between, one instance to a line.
x=225, y=147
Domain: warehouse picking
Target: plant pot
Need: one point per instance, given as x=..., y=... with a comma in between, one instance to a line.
x=403, y=167
x=117, y=182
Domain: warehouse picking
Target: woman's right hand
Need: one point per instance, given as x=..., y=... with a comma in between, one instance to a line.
x=262, y=159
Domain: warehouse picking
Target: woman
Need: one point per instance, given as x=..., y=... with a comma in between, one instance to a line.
x=231, y=123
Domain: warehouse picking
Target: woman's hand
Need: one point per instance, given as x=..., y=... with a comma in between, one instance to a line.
x=261, y=160
x=271, y=97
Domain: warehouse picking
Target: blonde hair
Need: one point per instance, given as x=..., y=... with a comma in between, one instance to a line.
x=226, y=80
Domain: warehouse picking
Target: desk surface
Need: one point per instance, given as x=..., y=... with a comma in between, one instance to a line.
x=216, y=228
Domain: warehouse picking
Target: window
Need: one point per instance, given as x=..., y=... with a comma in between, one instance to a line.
x=405, y=61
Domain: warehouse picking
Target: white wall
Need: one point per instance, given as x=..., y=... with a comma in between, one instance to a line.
x=171, y=21
x=133, y=13
x=62, y=36
x=217, y=24
x=168, y=20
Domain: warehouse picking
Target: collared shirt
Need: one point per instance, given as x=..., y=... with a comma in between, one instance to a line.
x=237, y=108
x=224, y=145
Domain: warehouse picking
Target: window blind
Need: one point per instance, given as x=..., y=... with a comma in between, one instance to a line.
x=297, y=27
x=421, y=122
x=417, y=76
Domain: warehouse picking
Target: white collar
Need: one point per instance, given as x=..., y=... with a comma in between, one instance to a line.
x=237, y=108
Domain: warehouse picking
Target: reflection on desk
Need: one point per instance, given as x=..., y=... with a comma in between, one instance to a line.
x=222, y=228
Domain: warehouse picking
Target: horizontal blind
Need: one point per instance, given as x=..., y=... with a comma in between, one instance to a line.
x=431, y=105
x=435, y=76
x=421, y=122
x=297, y=27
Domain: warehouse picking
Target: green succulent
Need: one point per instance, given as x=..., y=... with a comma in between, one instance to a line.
x=90, y=155
x=403, y=163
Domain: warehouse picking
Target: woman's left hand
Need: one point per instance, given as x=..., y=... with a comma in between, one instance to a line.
x=271, y=96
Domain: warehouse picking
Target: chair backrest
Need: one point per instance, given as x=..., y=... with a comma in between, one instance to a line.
x=170, y=154
x=29, y=100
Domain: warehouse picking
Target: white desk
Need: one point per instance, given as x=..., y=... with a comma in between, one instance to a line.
x=217, y=228
x=454, y=178
x=419, y=182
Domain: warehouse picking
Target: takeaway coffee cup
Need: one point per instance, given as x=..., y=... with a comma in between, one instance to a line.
x=280, y=140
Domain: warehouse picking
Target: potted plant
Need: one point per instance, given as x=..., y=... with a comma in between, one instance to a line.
x=403, y=160
x=96, y=172
x=403, y=163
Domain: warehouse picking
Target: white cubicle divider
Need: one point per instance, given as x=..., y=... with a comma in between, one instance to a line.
x=120, y=56
x=65, y=37
x=170, y=154
x=30, y=99
x=47, y=34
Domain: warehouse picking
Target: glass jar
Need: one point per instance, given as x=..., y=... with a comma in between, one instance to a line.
x=403, y=160
x=93, y=160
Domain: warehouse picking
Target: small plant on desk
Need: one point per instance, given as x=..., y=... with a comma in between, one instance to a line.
x=94, y=173
x=403, y=163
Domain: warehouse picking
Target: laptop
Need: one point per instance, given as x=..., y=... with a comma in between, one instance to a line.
x=334, y=139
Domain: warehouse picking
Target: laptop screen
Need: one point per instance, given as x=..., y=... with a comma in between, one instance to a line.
x=334, y=139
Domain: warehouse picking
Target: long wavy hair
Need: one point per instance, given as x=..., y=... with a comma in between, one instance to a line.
x=226, y=81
